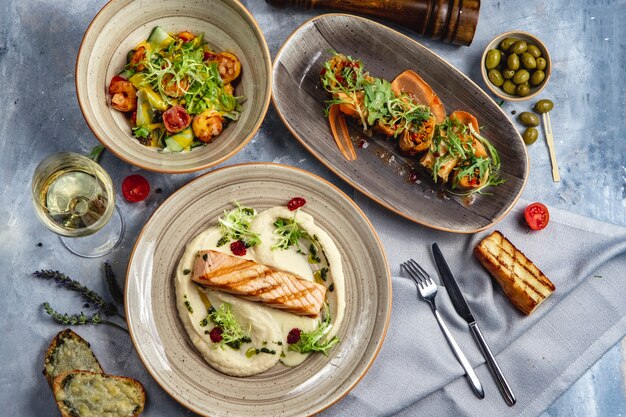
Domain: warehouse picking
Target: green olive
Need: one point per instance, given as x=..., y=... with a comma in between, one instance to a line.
x=506, y=43
x=543, y=106
x=495, y=77
x=522, y=90
x=534, y=51
x=521, y=76
x=528, y=61
x=537, y=77
x=493, y=59
x=508, y=73
x=530, y=136
x=528, y=119
x=518, y=47
x=509, y=87
x=512, y=62
x=541, y=63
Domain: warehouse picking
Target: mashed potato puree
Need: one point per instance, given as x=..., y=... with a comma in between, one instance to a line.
x=262, y=323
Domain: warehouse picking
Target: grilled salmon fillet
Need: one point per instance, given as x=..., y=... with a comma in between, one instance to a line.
x=256, y=282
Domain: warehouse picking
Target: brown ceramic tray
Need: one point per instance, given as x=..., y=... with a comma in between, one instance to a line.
x=381, y=172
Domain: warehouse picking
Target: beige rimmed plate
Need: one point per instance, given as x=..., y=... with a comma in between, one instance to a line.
x=122, y=24
x=381, y=172
x=163, y=344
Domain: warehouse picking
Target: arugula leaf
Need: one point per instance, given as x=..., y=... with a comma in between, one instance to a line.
x=141, y=132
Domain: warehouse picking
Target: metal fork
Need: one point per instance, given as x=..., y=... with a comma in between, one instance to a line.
x=428, y=290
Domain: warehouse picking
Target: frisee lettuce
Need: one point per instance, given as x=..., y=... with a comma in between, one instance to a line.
x=312, y=341
x=235, y=225
x=233, y=334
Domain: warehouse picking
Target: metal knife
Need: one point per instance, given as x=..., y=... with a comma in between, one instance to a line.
x=463, y=310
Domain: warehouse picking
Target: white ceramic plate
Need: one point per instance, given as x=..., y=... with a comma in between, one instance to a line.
x=163, y=344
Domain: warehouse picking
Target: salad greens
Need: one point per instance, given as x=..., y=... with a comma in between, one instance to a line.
x=233, y=334
x=170, y=70
x=312, y=341
x=235, y=225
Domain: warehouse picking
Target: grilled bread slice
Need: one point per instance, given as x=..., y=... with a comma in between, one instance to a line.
x=68, y=351
x=522, y=282
x=256, y=282
x=89, y=394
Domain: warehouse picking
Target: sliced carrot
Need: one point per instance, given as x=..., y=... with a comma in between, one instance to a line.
x=465, y=118
x=411, y=83
x=339, y=129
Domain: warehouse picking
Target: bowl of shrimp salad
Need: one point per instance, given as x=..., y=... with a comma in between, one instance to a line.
x=176, y=87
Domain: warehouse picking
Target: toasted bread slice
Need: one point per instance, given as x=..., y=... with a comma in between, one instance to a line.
x=67, y=352
x=522, y=282
x=89, y=394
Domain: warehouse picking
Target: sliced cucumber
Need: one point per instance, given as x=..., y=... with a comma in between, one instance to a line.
x=159, y=39
x=180, y=141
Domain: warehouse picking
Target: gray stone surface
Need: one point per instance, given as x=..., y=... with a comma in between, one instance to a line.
x=40, y=115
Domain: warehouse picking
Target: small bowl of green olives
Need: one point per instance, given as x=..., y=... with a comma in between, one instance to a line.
x=516, y=66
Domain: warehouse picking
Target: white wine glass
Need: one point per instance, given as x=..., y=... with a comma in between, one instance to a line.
x=74, y=198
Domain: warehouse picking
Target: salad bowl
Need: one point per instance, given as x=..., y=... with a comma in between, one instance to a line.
x=123, y=24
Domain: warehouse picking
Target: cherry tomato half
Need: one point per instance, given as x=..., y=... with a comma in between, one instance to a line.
x=537, y=216
x=135, y=188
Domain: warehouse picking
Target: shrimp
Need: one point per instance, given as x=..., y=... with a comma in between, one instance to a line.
x=124, y=95
x=417, y=137
x=207, y=125
x=172, y=88
x=136, y=61
x=228, y=66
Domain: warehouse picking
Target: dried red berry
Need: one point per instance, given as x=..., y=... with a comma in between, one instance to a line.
x=135, y=188
x=216, y=335
x=238, y=248
x=413, y=176
x=208, y=56
x=294, y=336
x=295, y=203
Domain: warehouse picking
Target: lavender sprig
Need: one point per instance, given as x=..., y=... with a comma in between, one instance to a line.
x=78, y=319
x=114, y=288
x=90, y=296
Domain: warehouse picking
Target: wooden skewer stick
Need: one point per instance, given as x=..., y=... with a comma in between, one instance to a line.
x=547, y=127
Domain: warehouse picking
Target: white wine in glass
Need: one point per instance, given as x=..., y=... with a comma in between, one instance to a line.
x=74, y=197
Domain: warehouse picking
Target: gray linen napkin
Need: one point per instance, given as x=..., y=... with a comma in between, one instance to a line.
x=541, y=355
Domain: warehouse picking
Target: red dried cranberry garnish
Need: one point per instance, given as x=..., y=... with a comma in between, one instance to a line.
x=208, y=56
x=135, y=188
x=238, y=248
x=295, y=203
x=323, y=72
x=413, y=177
x=294, y=336
x=216, y=335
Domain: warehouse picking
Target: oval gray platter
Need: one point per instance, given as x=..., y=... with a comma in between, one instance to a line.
x=381, y=171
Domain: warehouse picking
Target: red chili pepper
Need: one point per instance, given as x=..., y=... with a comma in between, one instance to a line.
x=295, y=203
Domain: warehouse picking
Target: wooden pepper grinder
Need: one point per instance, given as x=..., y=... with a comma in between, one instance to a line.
x=453, y=21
